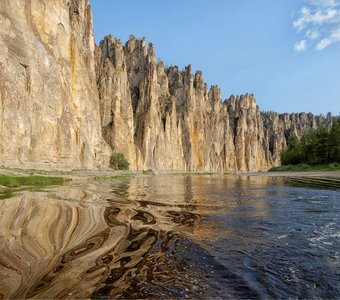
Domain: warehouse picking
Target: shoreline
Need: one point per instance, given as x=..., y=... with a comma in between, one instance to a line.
x=321, y=174
x=117, y=174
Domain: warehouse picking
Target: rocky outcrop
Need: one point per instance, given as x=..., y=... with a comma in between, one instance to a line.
x=63, y=99
x=49, y=105
x=116, y=106
x=169, y=120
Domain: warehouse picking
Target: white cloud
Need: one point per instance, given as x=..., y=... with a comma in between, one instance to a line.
x=300, y=46
x=318, y=17
x=319, y=22
x=332, y=38
x=312, y=34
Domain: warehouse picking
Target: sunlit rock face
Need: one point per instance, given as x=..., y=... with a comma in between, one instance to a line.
x=250, y=140
x=49, y=109
x=63, y=99
x=116, y=106
x=169, y=120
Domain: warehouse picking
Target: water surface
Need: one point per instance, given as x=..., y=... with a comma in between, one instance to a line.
x=171, y=237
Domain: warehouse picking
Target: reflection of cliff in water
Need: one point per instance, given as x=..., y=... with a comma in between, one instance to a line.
x=116, y=240
x=95, y=243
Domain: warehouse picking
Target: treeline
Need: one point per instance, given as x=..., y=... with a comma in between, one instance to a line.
x=317, y=146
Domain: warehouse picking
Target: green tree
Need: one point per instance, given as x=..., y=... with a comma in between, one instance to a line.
x=322, y=145
x=293, y=153
x=334, y=140
x=319, y=146
x=310, y=147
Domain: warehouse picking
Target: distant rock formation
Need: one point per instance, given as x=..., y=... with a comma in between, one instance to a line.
x=165, y=119
x=281, y=126
x=63, y=99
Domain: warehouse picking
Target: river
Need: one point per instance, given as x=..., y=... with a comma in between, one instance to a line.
x=171, y=237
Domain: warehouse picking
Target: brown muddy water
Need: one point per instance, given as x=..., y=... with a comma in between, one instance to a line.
x=172, y=237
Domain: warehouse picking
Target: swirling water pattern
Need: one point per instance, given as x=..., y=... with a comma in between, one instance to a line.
x=171, y=237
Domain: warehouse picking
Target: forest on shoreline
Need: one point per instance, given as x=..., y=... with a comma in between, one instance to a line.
x=319, y=146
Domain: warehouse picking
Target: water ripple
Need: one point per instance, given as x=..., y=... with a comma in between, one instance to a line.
x=171, y=237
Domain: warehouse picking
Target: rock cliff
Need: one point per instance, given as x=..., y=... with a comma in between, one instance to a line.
x=63, y=100
x=49, y=105
x=166, y=119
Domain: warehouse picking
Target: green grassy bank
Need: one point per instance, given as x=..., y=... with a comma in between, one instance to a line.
x=17, y=181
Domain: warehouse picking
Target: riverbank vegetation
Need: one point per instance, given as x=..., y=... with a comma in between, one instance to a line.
x=17, y=181
x=316, y=150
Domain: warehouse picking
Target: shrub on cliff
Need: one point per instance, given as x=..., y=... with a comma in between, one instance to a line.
x=118, y=162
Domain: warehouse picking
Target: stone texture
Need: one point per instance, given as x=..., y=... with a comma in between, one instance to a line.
x=172, y=121
x=49, y=105
x=63, y=99
x=115, y=99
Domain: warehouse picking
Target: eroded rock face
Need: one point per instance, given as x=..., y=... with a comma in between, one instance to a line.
x=63, y=99
x=168, y=120
x=115, y=98
x=49, y=105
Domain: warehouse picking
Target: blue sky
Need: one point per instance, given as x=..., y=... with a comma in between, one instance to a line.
x=286, y=52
